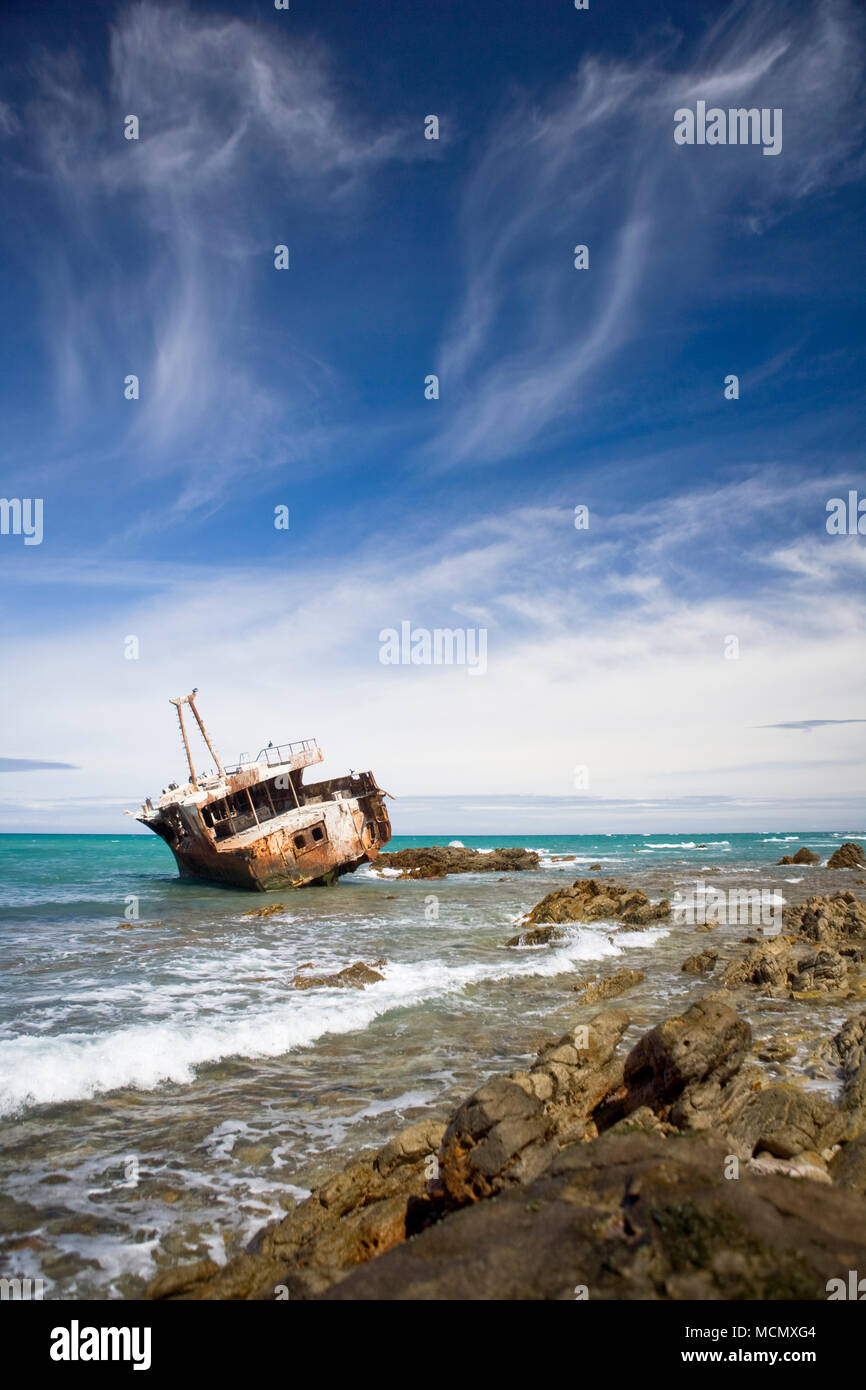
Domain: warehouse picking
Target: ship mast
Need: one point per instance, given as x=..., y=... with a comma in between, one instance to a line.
x=179, y=703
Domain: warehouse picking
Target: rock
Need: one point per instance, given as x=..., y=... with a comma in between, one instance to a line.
x=356, y=976
x=587, y=900
x=847, y=856
x=682, y=1068
x=265, y=911
x=173, y=1282
x=848, y=1166
x=803, y=1165
x=609, y=987
x=837, y=920
x=787, y=967
x=593, y=867
x=373, y=1204
x=435, y=861
x=630, y=1216
x=508, y=1131
x=702, y=963
x=784, y=1120
x=803, y=856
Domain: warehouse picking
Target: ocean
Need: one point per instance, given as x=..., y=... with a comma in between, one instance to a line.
x=165, y=1090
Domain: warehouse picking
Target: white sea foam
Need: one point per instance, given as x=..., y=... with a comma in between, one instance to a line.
x=73, y=1065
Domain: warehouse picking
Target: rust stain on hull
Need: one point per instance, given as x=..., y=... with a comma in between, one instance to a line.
x=259, y=826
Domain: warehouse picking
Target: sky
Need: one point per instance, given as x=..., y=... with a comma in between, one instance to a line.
x=690, y=657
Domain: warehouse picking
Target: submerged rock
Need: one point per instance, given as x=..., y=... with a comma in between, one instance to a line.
x=364, y=1210
x=435, y=861
x=587, y=900
x=610, y=986
x=702, y=963
x=356, y=976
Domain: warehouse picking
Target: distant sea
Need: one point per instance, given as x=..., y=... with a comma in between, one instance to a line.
x=164, y=1090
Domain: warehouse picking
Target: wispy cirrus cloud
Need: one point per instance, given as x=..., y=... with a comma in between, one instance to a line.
x=535, y=345
x=167, y=240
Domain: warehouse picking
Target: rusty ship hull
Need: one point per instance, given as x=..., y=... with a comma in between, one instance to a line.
x=259, y=826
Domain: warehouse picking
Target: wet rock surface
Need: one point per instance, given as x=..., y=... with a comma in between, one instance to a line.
x=437, y=861
x=609, y=986
x=587, y=900
x=352, y=977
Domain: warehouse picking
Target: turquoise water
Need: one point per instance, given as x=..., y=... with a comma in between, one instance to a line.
x=164, y=1089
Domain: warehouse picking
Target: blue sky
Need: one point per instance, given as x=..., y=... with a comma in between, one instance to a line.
x=606, y=646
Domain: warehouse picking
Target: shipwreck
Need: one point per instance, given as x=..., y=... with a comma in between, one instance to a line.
x=258, y=825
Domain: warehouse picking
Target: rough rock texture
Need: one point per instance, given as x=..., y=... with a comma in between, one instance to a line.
x=631, y=1216
x=702, y=963
x=837, y=919
x=683, y=1068
x=592, y=1170
x=610, y=986
x=824, y=938
x=785, y=1121
x=435, y=861
x=587, y=900
x=509, y=1130
x=370, y=1206
x=355, y=976
x=803, y=856
x=847, y=856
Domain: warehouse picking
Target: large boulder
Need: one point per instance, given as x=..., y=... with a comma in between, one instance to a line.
x=631, y=1216
x=683, y=1068
x=847, y=856
x=508, y=1131
x=786, y=967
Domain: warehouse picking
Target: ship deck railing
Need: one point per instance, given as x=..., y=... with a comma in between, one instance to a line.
x=276, y=754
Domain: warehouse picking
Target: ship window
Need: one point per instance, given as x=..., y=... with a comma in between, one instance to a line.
x=299, y=842
x=318, y=833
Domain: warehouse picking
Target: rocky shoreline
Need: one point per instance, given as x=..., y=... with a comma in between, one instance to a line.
x=437, y=861
x=677, y=1167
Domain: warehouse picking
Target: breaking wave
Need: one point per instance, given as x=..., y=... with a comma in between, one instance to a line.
x=73, y=1066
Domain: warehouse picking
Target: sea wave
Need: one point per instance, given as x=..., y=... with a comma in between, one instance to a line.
x=74, y=1066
